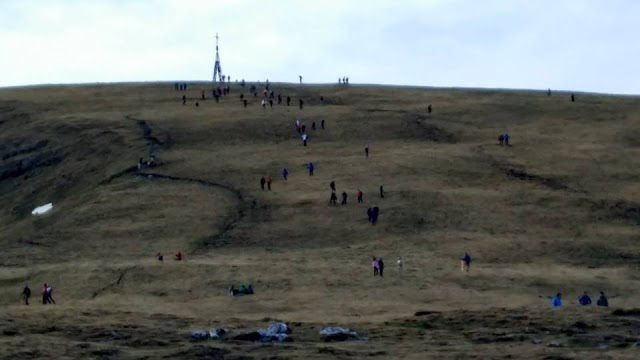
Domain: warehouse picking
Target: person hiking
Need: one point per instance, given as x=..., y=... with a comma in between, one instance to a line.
x=506, y=139
x=202, y=94
x=584, y=299
x=48, y=294
x=264, y=104
x=26, y=294
x=184, y=99
x=466, y=262
x=159, y=257
x=178, y=256
x=333, y=198
x=288, y=100
x=269, y=183
x=366, y=151
x=381, y=191
x=304, y=139
x=311, y=167
x=332, y=185
x=501, y=139
x=374, y=215
x=549, y=92
x=279, y=99
x=262, y=182
x=399, y=266
x=322, y=124
x=375, y=266
x=381, y=267
x=285, y=172
x=557, y=301
x=301, y=104
x=344, y=198
x=602, y=300
x=300, y=76
x=370, y=214
x=573, y=98
x=44, y=294
x=197, y=104
x=359, y=196
x=303, y=128
x=270, y=103
x=245, y=103
x=313, y=125
x=429, y=109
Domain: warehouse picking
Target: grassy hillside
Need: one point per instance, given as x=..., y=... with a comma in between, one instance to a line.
x=557, y=211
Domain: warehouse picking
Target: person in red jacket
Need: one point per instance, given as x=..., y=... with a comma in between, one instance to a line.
x=269, y=183
x=359, y=196
x=178, y=256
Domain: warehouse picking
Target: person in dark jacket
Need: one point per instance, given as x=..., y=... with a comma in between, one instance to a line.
x=262, y=182
x=288, y=100
x=466, y=262
x=429, y=109
x=301, y=104
x=381, y=191
x=333, y=185
x=584, y=299
x=374, y=215
x=501, y=139
x=333, y=198
x=344, y=198
x=322, y=124
x=311, y=168
x=285, y=172
x=26, y=294
x=370, y=214
x=184, y=99
x=380, y=267
x=366, y=151
x=602, y=300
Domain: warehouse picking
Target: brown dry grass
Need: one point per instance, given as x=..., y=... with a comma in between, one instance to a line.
x=557, y=211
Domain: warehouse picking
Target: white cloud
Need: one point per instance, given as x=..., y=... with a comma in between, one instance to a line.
x=570, y=44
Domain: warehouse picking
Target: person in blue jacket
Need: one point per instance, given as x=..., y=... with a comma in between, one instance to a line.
x=285, y=173
x=584, y=299
x=557, y=301
x=311, y=167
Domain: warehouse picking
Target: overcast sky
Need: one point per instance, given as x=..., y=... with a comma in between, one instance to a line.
x=581, y=45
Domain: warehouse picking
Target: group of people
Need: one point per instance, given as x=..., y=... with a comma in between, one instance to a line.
x=47, y=294
x=503, y=139
x=583, y=300
x=378, y=266
x=243, y=290
x=177, y=256
x=147, y=163
x=180, y=86
x=343, y=81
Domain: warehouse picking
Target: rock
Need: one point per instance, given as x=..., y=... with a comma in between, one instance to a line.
x=536, y=341
x=555, y=344
x=336, y=333
x=198, y=335
x=250, y=336
x=276, y=332
x=217, y=333
x=581, y=325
